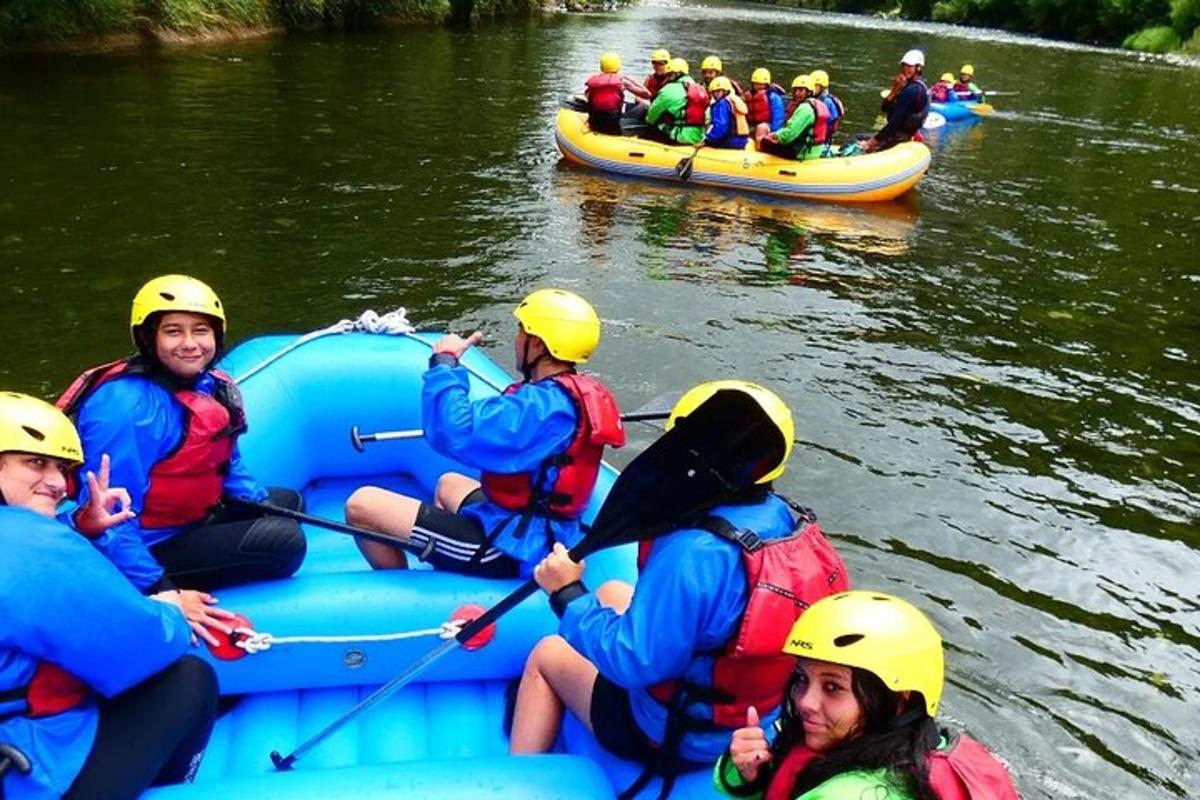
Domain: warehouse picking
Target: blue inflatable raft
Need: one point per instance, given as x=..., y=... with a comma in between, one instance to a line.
x=954, y=112
x=333, y=633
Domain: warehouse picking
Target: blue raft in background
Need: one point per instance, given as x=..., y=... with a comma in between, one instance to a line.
x=443, y=734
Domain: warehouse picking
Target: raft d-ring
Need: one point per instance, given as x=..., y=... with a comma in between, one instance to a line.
x=469, y=613
x=227, y=648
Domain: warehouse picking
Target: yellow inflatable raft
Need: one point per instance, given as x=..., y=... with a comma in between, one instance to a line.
x=856, y=179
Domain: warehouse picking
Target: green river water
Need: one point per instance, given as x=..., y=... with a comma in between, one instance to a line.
x=995, y=379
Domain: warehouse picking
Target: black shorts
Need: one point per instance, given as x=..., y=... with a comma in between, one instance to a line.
x=614, y=726
x=452, y=542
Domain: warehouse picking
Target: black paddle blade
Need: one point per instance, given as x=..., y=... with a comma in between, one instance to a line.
x=684, y=168
x=718, y=450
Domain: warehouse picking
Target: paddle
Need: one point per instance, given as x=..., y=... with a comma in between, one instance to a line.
x=719, y=449
x=657, y=409
x=573, y=103
x=982, y=109
x=684, y=168
x=323, y=522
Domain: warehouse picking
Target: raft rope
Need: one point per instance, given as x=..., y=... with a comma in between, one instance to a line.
x=394, y=323
x=253, y=641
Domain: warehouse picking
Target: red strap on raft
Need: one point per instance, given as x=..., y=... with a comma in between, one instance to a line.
x=469, y=613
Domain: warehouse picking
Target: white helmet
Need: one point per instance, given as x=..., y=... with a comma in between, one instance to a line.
x=914, y=58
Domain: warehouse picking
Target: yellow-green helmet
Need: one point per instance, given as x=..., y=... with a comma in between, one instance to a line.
x=563, y=320
x=803, y=81
x=877, y=632
x=660, y=55
x=760, y=75
x=967, y=70
x=677, y=65
x=175, y=293
x=771, y=404
x=820, y=77
x=712, y=62
x=946, y=78
x=30, y=425
x=720, y=83
x=610, y=62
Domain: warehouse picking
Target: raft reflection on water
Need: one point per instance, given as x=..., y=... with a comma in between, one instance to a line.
x=790, y=236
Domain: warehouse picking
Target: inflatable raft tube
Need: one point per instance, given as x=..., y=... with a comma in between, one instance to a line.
x=955, y=112
x=339, y=630
x=857, y=179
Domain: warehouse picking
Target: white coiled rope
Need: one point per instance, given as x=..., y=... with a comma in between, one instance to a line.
x=253, y=641
x=394, y=323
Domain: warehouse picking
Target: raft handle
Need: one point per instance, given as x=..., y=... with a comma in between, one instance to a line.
x=787, y=172
x=636, y=154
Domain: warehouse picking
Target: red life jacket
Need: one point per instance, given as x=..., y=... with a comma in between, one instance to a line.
x=963, y=770
x=819, y=132
x=783, y=578
x=758, y=104
x=605, y=92
x=653, y=83
x=939, y=93
x=599, y=424
x=52, y=690
x=696, y=108
x=187, y=484
x=963, y=88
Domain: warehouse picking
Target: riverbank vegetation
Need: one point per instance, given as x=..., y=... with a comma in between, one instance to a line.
x=61, y=22
x=1151, y=25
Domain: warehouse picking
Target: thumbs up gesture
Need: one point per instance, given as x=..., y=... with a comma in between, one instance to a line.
x=749, y=750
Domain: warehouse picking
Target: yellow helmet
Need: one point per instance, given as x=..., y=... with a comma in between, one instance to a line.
x=677, y=65
x=175, y=293
x=712, y=62
x=610, y=62
x=877, y=632
x=967, y=69
x=771, y=404
x=803, y=81
x=760, y=75
x=660, y=55
x=563, y=320
x=947, y=77
x=720, y=83
x=820, y=77
x=29, y=425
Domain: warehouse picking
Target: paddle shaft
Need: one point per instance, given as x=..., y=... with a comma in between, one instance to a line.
x=468, y=632
x=333, y=525
x=359, y=439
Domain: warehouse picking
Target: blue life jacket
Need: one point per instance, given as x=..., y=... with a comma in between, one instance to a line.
x=74, y=623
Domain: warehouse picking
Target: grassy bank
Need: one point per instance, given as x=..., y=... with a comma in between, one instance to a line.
x=1148, y=25
x=62, y=23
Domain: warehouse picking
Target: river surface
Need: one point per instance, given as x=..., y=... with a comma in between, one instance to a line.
x=995, y=380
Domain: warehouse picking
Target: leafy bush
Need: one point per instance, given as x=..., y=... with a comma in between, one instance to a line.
x=60, y=19
x=1159, y=39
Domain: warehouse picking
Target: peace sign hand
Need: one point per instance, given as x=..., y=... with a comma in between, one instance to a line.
x=105, y=507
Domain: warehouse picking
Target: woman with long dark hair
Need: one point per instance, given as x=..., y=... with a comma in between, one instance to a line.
x=859, y=715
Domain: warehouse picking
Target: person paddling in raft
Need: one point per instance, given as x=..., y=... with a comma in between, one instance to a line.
x=170, y=423
x=859, y=716
x=606, y=95
x=906, y=105
x=679, y=111
x=806, y=132
x=965, y=87
x=943, y=90
x=97, y=696
x=538, y=446
x=670, y=700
